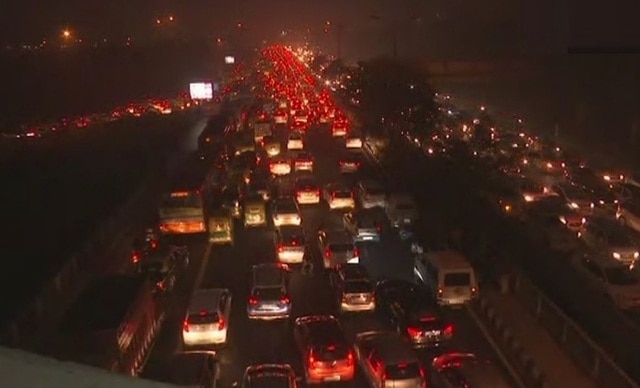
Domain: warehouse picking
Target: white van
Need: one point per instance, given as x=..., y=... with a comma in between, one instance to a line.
x=448, y=276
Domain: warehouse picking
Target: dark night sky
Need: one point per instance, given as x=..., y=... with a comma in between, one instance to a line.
x=546, y=24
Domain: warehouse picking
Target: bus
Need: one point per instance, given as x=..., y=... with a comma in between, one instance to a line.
x=182, y=209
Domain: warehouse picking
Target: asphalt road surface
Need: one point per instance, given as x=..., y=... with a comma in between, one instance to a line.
x=57, y=191
x=257, y=342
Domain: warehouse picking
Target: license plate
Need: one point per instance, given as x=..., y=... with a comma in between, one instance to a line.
x=433, y=333
x=332, y=378
x=367, y=238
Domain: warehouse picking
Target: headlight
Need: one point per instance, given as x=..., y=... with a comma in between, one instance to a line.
x=528, y=198
x=573, y=205
x=507, y=208
x=563, y=219
x=592, y=205
x=601, y=202
x=636, y=255
x=607, y=178
x=616, y=255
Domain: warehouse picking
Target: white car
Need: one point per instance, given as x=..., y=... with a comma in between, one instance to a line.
x=280, y=117
x=296, y=141
x=307, y=191
x=339, y=197
x=353, y=141
x=207, y=318
x=290, y=244
x=280, y=167
x=286, y=212
x=614, y=278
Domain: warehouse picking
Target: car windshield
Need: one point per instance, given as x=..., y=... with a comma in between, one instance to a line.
x=374, y=190
x=619, y=276
x=269, y=293
x=342, y=194
x=403, y=371
x=341, y=247
x=268, y=380
x=203, y=317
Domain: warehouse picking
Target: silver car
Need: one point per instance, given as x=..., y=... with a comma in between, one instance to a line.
x=269, y=298
x=365, y=225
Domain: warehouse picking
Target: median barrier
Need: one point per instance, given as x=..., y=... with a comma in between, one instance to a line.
x=586, y=354
x=524, y=364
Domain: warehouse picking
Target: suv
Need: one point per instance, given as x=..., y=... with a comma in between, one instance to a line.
x=327, y=355
x=337, y=247
x=388, y=360
x=269, y=298
x=354, y=288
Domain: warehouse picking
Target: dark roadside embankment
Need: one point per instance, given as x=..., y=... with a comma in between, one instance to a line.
x=53, y=83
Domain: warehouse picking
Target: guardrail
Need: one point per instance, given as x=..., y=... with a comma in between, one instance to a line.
x=104, y=249
x=576, y=343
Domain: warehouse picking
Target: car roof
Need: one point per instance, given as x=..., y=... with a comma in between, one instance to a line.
x=287, y=231
x=337, y=236
x=393, y=349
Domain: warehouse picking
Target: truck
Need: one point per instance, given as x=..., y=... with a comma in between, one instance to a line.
x=111, y=326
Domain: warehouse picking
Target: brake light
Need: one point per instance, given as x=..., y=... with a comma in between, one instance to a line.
x=440, y=291
x=135, y=257
x=154, y=244
x=312, y=360
x=285, y=300
x=350, y=358
x=356, y=252
x=160, y=286
x=448, y=331
x=185, y=326
x=327, y=253
x=280, y=248
x=473, y=290
x=221, y=323
x=413, y=331
x=253, y=301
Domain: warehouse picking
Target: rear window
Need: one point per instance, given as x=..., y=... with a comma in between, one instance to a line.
x=287, y=208
x=295, y=136
x=332, y=350
x=374, y=190
x=293, y=240
x=271, y=293
x=342, y=194
x=341, y=247
x=203, y=317
x=268, y=380
x=357, y=287
x=403, y=371
x=405, y=206
x=457, y=279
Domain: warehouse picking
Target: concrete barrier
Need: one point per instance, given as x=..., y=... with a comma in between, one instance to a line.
x=504, y=338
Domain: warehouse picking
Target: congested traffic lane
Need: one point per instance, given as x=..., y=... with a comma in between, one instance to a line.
x=495, y=241
x=70, y=185
x=251, y=342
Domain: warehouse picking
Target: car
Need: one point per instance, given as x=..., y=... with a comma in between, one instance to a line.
x=353, y=141
x=281, y=117
x=371, y=194
x=269, y=375
x=337, y=247
x=619, y=284
x=295, y=141
x=290, y=244
x=301, y=116
x=388, y=360
x=408, y=310
x=339, y=196
x=303, y=161
x=530, y=190
x=285, y=211
x=604, y=235
x=299, y=126
x=350, y=163
x=365, y=225
x=339, y=128
x=354, y=289
x=307, y=190
x=280, y=166
x=576, y=197
x=326, y=353
x=271, y=146
x=269, y=298
x=207, y=318
x=453, y=370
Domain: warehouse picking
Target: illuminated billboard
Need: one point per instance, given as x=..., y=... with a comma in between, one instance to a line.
x=201, y=90
x=229, y=60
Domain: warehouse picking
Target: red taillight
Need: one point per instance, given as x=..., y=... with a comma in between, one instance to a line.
x=312, y=360
x=154, y=244
x=160, y=286
x=356, y=252
x=448, y=331
x=413, y=331
x=285, y=300
x=185, y=326
x=221, y=323
x=280, y=249
x=253, y=301
x=135, y=257
x=327, y=253
x=350, y=358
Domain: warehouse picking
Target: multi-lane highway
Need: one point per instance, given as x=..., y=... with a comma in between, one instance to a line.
x=59, y=189
x=252, y=342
